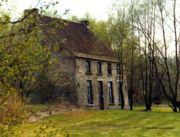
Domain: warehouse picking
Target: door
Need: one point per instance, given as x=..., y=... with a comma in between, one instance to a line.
x=101, y=95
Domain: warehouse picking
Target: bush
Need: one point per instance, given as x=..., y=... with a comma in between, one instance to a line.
x=6, y=131
x=50, y=130
x=11, y=110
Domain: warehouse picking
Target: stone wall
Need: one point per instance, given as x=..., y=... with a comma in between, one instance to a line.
x=59, y=79
x=63, y=74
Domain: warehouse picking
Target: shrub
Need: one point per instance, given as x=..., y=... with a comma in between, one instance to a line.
x=6, y=131
x=50, y=130
x=11, y=110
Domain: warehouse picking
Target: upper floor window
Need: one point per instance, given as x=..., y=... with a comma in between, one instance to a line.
x=88, y=66
x=99, y=68
x=109, y=69
x=89, y=92
x=118, y=69
x=111, y=94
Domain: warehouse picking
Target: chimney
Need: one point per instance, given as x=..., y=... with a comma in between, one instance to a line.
x=32, y=12
x=32, y=16
x=85, y=22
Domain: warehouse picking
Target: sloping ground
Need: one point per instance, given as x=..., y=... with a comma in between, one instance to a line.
x=108, y=123
x=38, y=112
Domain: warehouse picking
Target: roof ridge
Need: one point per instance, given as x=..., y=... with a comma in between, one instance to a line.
x=67, y=20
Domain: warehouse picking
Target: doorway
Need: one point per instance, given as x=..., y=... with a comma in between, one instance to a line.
x=101, y=95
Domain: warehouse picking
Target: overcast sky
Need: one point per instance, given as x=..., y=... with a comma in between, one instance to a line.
x=96, y=8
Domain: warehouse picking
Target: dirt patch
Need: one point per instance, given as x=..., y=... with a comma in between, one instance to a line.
x=54, y=109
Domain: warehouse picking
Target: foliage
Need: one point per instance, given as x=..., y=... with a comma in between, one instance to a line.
x=50, y=130
x=6, y=131
x=22, y=57
x=101, y=30
x=11, y=110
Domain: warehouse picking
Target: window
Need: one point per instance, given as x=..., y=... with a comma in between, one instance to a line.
x=88, y=66
x=101, y=94
x=118, y=69
x=89, y=92
x=111, y=95
x=109, y=69
x=99, y=68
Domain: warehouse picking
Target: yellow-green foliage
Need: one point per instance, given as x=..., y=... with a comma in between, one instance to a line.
x=22, y=54
x=6, y=131
x=22, y=57
x=50, y=130
x=11, y=110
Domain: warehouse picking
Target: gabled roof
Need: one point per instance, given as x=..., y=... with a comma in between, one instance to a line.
x=74, y=36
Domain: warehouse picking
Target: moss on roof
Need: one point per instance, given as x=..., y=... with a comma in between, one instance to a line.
x=74, y=36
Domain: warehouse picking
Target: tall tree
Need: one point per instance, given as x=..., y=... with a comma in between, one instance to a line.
x=21, y=50
x=171, y=91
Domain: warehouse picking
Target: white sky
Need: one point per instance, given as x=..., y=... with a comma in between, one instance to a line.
x=96, y=8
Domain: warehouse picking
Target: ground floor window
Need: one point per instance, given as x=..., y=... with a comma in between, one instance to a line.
x=89, y=92
x=119, y=91
x=111, y=95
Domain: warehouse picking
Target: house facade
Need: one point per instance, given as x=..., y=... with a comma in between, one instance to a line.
x=87, y=73
x=98, y=82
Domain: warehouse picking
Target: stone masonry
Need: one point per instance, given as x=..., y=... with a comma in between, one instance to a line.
x=82, y=78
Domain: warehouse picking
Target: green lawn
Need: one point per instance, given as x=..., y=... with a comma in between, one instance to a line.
x=108, y=123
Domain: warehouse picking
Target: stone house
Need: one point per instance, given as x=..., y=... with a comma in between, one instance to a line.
x=87, y=72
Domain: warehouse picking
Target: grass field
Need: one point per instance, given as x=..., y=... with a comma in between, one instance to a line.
x=109, y=123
